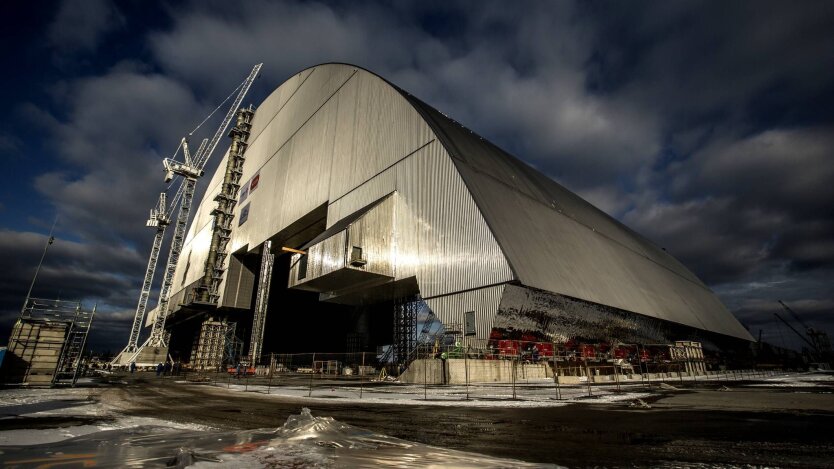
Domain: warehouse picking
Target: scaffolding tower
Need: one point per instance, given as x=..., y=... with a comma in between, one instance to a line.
x=261, y=302
x=405, y=329
x=47, y=342
x=224, y=212
x=210, y=345
x=234, y=346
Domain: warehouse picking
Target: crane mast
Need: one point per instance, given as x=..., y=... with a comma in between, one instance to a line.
x=190, y=175
x=190, y=170
x=158, y=219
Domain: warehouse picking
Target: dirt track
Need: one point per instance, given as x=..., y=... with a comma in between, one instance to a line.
x=741, y=426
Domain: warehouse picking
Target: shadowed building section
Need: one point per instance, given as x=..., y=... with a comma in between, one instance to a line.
x=373, y=200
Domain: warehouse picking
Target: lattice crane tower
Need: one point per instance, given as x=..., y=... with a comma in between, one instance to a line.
x=190, y=170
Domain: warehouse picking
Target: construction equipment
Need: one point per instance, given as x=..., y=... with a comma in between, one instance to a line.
x=158, y=219
x=405, y=329
x=819, y=339
x=223, y=213
x=47, y=342
x=799, y=334
x=190, y=170
x=261, y=301
x=69, y=364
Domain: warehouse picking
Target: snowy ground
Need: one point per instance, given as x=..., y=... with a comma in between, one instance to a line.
x=531, y=394
x=64, y=407
x=794, y=380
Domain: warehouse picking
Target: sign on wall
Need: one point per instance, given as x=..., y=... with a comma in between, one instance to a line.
x=244, y=192
x=244, y=215
x=249, y=186
x=469, y=323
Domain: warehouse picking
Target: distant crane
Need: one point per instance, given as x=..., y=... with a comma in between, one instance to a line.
x=190, y=170
x=804, y=339
x=817, y=339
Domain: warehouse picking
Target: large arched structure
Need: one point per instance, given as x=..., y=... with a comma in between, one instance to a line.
x=390, y=198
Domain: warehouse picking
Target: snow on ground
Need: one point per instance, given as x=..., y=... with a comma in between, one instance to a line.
x=531, y=393
x=797, y=380
x=543, y=394
x=67, y=407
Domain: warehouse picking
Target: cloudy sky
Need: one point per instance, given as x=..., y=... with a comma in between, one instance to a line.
x=707, y=127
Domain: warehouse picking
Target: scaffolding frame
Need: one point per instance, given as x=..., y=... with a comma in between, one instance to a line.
x=209, y=345
x=40, y=313
x=405, y=328
x=261, y=302
x=233, y=345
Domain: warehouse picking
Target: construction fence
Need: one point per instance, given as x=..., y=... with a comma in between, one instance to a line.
x=532, y=371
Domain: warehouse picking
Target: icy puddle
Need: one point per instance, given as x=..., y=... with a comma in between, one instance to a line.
x=303, y=441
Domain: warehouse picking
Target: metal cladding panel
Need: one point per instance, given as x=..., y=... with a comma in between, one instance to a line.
x=332, y=254
x=291, y=157
x=238, y=284
x=440, y=227
x=315, y=90
x=485, y=158
x=441, y=237
x=273, y=103
x=558, y=242
x=308, y=172
x=551, y=252
x=376, y=127
x=373, y=233
x=450, y=309
x=323, y=258
x=374, y=189
x=192, y=262
x=263, y=205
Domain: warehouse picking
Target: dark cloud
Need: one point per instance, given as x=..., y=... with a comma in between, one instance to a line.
x=80, y=25
x=719, y=239
x=695, y=61
x=755, y=301
x=119, y=127
x=91, y=273
x=781, y=169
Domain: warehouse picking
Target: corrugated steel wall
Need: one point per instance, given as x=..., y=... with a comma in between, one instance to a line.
x=441, y=237
x=450, y=309
x=373, y=233
x=558, y=242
